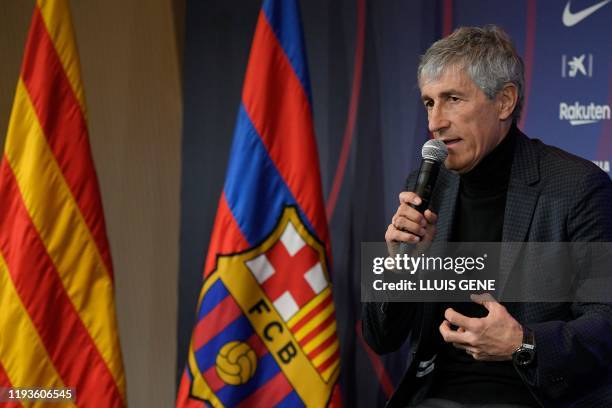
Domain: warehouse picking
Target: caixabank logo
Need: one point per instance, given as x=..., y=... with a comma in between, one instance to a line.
x=269, y=324
x=577, y=66
x=583, y=114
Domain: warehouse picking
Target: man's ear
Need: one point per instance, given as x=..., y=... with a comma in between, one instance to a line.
x=507, y=99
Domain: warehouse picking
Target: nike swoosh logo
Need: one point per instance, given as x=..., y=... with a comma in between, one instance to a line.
x=571, y=19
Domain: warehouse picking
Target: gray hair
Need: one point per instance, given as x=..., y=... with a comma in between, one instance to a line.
x=486, y=54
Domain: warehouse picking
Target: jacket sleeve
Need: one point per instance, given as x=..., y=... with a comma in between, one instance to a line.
x=574, y=355
x=386, y=326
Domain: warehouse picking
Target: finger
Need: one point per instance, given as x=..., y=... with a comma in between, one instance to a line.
x=411, y=214
x=395, y=235
x=431, y=217
x=476, y=355
x=393, y=247
x=484, y=299
x=444, y=328
x=456, y=318
x=461, y=346
x=406, y=225
x=409, y=197
x=465, y=347
x=452, y=336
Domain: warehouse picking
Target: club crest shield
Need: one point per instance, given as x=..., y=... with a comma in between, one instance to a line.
x=267, y=323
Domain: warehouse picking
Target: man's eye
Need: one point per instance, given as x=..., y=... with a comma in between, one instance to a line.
x=428, y=104
x=453, y=98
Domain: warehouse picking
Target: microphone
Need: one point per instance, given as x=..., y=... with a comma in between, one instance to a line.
x=434, y=153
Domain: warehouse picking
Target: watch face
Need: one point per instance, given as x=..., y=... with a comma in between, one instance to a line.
x=524, y=356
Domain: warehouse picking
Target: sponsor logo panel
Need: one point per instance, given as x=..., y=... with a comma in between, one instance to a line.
x=583, y=114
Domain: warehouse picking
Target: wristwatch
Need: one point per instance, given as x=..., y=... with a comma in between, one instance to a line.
x=526, y=352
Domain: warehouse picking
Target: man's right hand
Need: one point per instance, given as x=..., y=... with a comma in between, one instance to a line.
x=410, y=226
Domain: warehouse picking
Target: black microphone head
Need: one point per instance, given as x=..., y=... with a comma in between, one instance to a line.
x=434, y=150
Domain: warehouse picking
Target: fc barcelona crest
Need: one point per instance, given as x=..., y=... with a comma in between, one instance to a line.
x=266, y=328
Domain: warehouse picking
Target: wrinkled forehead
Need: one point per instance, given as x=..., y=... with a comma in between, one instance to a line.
x=442, y=72
x=452, y=76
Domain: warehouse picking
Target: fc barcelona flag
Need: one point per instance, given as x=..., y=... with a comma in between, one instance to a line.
x=265, y=333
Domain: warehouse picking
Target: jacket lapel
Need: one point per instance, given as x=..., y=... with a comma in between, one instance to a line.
x=444, y=203
x=521, y=199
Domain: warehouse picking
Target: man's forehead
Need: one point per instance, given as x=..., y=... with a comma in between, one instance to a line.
x=451, y=77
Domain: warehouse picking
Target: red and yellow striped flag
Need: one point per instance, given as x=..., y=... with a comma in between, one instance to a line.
x=58, y=327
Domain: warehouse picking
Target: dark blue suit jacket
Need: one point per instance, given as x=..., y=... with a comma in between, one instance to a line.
x=552, y=196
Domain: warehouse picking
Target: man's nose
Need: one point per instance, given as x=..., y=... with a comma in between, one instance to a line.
x=437, y=119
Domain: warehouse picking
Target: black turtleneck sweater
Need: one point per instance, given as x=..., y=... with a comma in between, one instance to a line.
x=479, y=217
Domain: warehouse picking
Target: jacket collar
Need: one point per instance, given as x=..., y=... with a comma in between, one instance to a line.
x=521, y=200
x=521, y=197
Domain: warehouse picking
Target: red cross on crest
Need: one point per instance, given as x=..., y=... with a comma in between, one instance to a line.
x=290, y=272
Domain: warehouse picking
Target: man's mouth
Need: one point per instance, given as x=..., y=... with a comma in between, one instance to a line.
x=451, y=142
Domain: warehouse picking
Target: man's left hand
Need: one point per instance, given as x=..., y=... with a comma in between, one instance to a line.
x=491, y=338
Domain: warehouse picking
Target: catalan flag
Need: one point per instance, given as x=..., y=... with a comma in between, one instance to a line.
x=265, y=331
x=57, y=316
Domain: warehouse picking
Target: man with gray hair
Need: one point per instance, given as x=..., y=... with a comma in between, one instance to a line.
x=497, y=185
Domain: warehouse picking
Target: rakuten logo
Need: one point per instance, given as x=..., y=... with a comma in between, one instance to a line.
x=578, y=114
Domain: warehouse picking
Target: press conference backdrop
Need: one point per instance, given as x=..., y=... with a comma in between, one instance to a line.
x=361, y=54
x=567, y=50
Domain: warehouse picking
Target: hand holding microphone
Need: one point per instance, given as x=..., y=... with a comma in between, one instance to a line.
x=413, y=223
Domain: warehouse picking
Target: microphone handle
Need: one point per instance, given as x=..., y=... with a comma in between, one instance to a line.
x=426, y=181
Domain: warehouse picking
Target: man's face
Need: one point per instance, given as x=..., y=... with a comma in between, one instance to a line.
x=462, y=116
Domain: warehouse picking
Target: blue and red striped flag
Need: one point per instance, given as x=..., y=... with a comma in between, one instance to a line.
x=265, y=333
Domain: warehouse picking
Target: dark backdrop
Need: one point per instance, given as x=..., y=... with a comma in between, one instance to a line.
x=389, y=126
